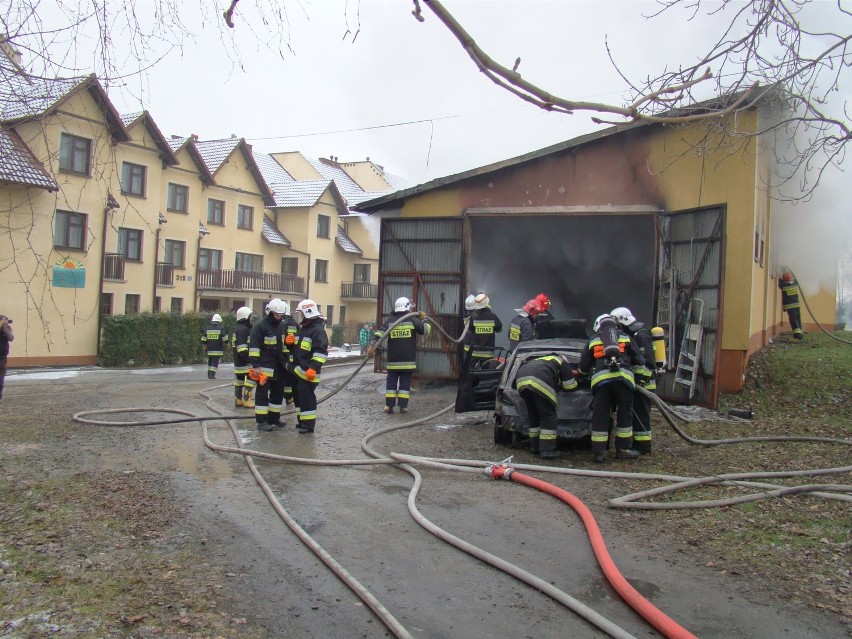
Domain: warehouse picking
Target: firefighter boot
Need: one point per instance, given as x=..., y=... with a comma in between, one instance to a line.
x=238, y=400
x=248, y=401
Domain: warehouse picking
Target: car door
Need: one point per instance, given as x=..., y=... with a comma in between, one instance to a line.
x=477, y=388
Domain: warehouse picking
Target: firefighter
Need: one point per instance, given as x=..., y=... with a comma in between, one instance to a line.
x=545, y=302
x=480, y=339
x=401, y=350
x=289, y=329
x=267, y=356
x=309, y=352
x=240, y=347
x=213, y=338
x=522, y=327
x=644, y=376
x=469, y=302
x=612, y=387
x=790, y=302
x=538, y=381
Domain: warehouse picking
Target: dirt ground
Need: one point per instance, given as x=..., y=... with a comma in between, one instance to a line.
x=143, y=531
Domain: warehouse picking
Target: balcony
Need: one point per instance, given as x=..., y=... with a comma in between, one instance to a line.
x=250, y=281
x=165, y=274
x=114, y=267
x=359, y=291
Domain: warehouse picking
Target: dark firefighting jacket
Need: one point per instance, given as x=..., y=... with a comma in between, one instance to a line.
x=789, y=294
x=593, y=361
x=521, y=329
x=544, y=375
x=644, y=372
x=240, y=346
x=214, y=339
x=310, y=349
x=289, y=327
x=482, y=335
x=266, y=345
x=401, y=344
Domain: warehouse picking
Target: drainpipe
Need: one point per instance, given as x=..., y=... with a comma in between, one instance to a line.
x=111, y=205
x=202, y=231
x=156, y=259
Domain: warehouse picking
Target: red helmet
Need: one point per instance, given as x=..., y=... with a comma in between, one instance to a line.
x=544, y=300
x=787, y=276
x=533, y=307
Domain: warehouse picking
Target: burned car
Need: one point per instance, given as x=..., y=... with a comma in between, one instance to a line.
x=491, y=387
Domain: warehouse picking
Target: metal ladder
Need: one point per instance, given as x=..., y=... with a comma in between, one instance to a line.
x=690, y=348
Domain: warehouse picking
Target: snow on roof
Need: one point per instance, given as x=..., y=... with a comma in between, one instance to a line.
x=272, y=235
x=18, y=165
x=344, y=242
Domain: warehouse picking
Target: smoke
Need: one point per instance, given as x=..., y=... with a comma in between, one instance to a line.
x=587, y=265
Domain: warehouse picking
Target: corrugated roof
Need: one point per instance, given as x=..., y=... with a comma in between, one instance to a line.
x=344, y=242
x=272, y=235
x=19, y=166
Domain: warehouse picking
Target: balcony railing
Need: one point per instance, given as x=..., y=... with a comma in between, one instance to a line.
x=228, y=280
x=114, y=267
x=165, y=274
x=359, y=291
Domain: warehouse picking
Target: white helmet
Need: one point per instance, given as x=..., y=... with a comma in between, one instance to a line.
x=624, y=317
x=276, y=305
x=243, y=312
x=402, y=304
x=468, y=302
x=216, y=318
x=481, y=301
x=599, y=319
x=308, y=309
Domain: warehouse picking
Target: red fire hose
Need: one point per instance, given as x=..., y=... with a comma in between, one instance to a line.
x=662, y=622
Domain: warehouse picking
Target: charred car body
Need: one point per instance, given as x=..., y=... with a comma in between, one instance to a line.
x=492, y=386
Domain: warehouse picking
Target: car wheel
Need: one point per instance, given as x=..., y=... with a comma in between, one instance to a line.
x=517, y=438
x=501, y=435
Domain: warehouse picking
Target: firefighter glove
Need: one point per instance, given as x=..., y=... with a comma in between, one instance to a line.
x=422, y=315
x=290, y=339
x=310, y=374
x=370, y=351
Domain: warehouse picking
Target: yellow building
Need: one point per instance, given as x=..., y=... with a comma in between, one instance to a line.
x=101, y=214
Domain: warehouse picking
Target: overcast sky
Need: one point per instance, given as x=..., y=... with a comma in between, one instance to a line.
x=399, y=70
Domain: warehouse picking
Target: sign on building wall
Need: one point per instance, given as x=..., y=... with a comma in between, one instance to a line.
x=69, y=272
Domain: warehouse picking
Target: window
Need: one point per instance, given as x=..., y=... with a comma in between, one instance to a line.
x=323, y=226
x=177, y=305
x=329, y=314
x=209, y=259
x=343, y=315
x=361, y=273
x=158, y=304
x=175, y=253
x=321, y=271
x=216, y=212
x=245, y=217
x=290, y=265
x=130, y=244
x=131, y=304
x=70, y=230
x=177, y=198
x=74, y=154
x=248, y=262
x=759, y=239
x=132, y=179
x=106, y=304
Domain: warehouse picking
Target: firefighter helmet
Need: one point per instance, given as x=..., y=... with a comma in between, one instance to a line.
x=533, y=308
x=243, y=312
x=402, y=305
x=624, y=317
x=279, y=306
x=308, y=309
x=216, y=318
x=468, y=302
x=787, y=276
x=481, y=301
x=544, y=300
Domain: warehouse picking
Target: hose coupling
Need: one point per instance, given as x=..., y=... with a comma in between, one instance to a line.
x=503, y=469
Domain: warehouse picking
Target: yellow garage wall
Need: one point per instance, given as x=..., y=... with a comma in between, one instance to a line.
x=726, y=176
x=445, y=203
